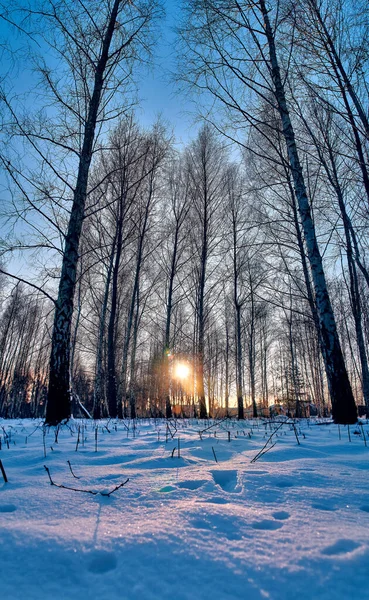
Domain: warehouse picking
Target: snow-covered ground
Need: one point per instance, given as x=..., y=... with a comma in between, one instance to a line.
x=291, y=525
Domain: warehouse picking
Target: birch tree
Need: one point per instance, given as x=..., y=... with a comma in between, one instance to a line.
x=205, y=159
x=94, y=48
x=178, y=199
x=235, y=56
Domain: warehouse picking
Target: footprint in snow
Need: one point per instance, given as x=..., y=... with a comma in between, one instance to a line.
x=167, y=489
x=203, y=524
x=191, y=484
x=223, y=526
x=281, y=515
x=101, y=561
x=215, y=500
x=320, y=506
x=227, y=480
x=340, y=547
x=284, y=483
x=266, y=524
x=6, y=508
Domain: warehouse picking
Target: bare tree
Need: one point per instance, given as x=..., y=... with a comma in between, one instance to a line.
x=233, y=47
x=178, y=190
x=206, y=169
x=96, y=46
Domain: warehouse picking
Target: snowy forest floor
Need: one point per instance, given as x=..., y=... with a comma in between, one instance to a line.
x=292, y=524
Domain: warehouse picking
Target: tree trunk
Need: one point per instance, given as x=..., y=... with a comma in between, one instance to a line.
x=97, y=413
x=132, y=394
x=131, y=311
x=168, y=406
x=226, y=379
x=239, y=364
x=331, y=170
x=238, y=307
x=252, y=352
x=112, y=375
x=201, y=324
x=58, y=400
x=343, y=403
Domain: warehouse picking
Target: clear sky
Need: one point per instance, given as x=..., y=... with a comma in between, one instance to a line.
x=157, y=90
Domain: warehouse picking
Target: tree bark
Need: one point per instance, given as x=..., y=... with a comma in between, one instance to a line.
x=97, y=412
x=58, y=400
x=201, y=324
x=168, y=406
x=343, y=403
x=112, y=375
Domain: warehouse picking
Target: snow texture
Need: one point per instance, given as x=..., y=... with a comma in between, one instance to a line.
x=291, y=525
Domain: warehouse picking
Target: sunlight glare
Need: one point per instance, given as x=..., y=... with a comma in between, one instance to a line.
x=182, y=371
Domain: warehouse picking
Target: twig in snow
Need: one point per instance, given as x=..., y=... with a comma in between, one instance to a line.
x=71, y=470
x=263, y=450
x=78, y=437
x=44, y=441
x=214, y=424
x=57, y=429
x=295, y=430
x=215, y=456
x=363, y=432
x=6, y=437
x=117, y=487
x=3, y=472
x=169, y=429
x=67, y=487
x=125, y=424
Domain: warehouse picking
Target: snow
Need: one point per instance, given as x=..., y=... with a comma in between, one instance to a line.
x=292, y=524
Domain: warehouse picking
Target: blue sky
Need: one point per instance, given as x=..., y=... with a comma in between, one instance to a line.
x=157, y=90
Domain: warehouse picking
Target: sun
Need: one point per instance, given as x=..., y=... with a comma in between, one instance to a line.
x=181, y=371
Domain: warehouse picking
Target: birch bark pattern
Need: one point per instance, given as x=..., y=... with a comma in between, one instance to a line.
x=238, y=307
x=201, y=312
x=98, y=389
x=134, y=300
x=168, y=406
x=58, y=400
x=343, y=403
x=112, y=375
